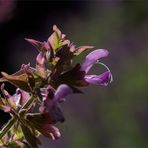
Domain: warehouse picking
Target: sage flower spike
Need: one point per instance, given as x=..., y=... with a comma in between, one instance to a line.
x=35, y=107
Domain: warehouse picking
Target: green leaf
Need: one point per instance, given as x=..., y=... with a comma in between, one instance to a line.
x=42, y=125
x=17, y=131
x=57, y=31
x=73, y=77
x=2, y=80
x=80, y=49
x=54, y=40
x=20, y=81
x=18, y=144
x=12, y=144
x=1, y=102
x=1, y=142
x=30, y=136
x=41, y=46
x=40, y=118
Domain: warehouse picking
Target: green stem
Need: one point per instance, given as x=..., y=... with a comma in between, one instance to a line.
x=7, y=127
x=12, y=121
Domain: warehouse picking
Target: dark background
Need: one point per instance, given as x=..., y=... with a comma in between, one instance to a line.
x=27, y=19
x=113, y=116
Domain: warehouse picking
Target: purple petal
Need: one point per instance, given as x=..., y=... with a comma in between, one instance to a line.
x=40, y=65
x=40, y=58
x=57, y=114
x=49, y=130
x=6, y=108
x=25, y=67
x=61, y=92
x=47, y=93
x=21, y=97
x=54, y=132
x=102, y=79
x=92, y=58
x=43, y=123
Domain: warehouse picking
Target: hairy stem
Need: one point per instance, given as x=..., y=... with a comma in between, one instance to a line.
x=7, y=127
x=12, y=121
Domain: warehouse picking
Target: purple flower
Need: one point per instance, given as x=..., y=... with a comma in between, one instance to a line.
x=51, y=99
x=102, y=79
x=61, y=92
x=78, y=77
x=91, y=59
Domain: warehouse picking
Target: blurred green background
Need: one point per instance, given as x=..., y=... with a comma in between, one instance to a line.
x=113, y=116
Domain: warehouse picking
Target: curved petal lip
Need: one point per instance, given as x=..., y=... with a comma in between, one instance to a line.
x=92, y=58
x=103, y=79
x=62, y=91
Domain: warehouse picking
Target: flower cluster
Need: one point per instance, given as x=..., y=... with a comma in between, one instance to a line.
x=35, y=107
